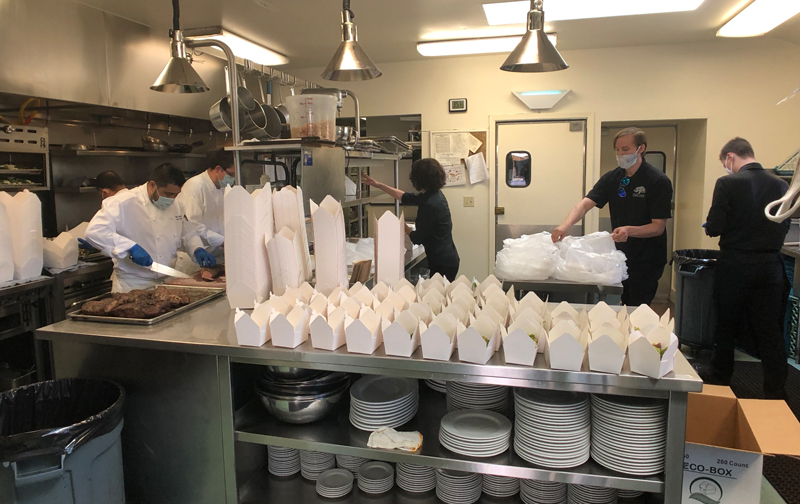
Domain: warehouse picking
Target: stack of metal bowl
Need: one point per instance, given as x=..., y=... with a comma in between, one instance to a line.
x=300, y=396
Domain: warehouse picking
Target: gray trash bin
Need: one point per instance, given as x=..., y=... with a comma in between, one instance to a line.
x=695, y=316
x=60, y=443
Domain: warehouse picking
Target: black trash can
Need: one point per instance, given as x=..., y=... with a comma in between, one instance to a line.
x=695, y=316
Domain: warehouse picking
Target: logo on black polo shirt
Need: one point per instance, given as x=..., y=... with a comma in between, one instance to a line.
x=639, y=192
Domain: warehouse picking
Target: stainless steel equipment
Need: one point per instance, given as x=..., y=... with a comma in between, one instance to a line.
x=72, y=288
x=24, y=158
x=212, y=293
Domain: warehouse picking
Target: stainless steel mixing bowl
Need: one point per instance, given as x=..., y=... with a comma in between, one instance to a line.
x=292, y=373
x=302, y=409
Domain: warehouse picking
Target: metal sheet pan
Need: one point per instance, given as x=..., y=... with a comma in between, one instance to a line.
x=213, y=293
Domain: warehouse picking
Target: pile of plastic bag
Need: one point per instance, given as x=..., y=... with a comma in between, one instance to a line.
x=361, y=251
x=531, y=257
x=590, y=259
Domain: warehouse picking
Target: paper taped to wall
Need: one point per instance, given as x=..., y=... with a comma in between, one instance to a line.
x=476, y=166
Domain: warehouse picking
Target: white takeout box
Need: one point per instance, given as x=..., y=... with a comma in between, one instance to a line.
x=380, y=291
x=24, y=213
x=479, y=341
x=490, y=280
x=61, y=252
x=252, y=329
x=527, y=312
x=644, y=357
x=566, y=346
x=351, y=306
x=329, y=244
x=401, y=338
x=518, y=346
x=462, y=280
x=319, y=303
x=643, y=319
x=289, y=213
x=492, y=314
x=457, y=312
x=532, y=301
x=439, y=340
x=385, y=310
x=492, y=290
x=79, y=231
x=289, y=331
x=364, y=296
x=327, y=331
x=407, y=293
x=6, y=257
x=398, y=285
x=285, y=260
x=607, y=347
x=422, y=311
x=462, y=289
x=601, y=311
x=364, y=334
x=434, y=300
x=467, y=304
x=279, y=304
x=390, y=248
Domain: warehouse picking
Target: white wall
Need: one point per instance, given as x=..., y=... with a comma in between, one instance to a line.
x=735, y=84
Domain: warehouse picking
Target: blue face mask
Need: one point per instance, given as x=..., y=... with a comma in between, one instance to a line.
x=162, y=203
x=227, y=180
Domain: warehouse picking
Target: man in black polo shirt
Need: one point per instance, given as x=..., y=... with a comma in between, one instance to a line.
x=750, y=285
x=640, y=201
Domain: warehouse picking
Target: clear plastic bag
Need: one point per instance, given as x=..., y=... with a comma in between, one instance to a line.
x=591, y=259
x=530, y=257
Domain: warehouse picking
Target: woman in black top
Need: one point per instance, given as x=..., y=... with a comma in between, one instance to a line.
x=434, y=227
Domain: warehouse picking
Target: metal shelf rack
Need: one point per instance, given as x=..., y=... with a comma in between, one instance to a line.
x=28, y=147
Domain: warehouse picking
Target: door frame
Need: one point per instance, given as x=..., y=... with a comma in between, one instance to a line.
x=591, y=158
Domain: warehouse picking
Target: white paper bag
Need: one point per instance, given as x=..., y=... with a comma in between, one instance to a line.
x=61, y=252
x=288, y=209
x=248, y=226
x=389, y=249
x=24, y=213
x=329, y=245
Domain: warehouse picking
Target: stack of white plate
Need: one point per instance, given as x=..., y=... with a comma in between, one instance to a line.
x=500, y=486
x=456, y=487
x=629, y=494
x=375, y=477
x=553, y=428
x=350, y=463
x=416, y=478
x=542, y=492
x=585, y=494
x=383, y=401
x=313, y=463
x=475, y=433
x=437, y=385
x=629, y=434
x=335, y=483
x=283, y=461
x=461, y=396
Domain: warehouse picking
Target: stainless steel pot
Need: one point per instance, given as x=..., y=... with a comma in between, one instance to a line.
x=302, y=409
x=345, y=135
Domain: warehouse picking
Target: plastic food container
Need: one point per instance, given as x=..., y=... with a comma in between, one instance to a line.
x=312, y=116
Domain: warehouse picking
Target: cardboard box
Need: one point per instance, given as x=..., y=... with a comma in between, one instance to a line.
x=726, y=439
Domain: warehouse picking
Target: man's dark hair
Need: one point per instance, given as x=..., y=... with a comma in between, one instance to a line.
x=167, y=174
x=221, y=158
x=109, y=180
x=427, y=175
x=738, y=146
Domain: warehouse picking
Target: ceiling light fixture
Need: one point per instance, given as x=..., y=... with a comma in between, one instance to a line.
x=535, y=52
x=511, y=12
x=759, y=18
x=541, y=100
x=240, y=46
x=350, y=62
x=178, y=76
x=487, y=45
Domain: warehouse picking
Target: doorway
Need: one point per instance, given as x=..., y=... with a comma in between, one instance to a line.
x=662, y=147
x=539, y=176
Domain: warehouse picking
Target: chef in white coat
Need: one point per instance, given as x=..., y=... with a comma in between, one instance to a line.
x=203, y=198
x=145, y=225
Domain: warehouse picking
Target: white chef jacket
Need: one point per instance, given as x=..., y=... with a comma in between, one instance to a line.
x=204, y=204
x=130, y=218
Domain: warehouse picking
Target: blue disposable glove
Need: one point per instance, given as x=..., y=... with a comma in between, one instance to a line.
x=204, y=259
x=140, y=256
x=85, y=245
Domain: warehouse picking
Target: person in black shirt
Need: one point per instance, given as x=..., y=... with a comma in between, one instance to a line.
x=640, y=201
x=750, y=284
x=434, y=226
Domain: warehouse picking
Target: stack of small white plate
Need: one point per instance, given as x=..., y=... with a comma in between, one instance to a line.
x=283, y=461
x=437, y=385
x=475, y=433
x=461, y=396
x=375, y=477
x=383, y=401
x=629, y=494
x=456, y=487
x=313, y=463
x=350, y=463
x=629, y=434
x=416, y=478
x=552, y=428
x=585, y=494
x=542, y=492
x=500, y=486
x=335, y=483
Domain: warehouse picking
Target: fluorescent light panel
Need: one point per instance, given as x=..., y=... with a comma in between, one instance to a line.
x=564, y=10
x=474, y=46
x=759, y=18
x=245, y=49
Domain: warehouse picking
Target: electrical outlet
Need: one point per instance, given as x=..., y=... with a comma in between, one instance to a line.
x=469, y=201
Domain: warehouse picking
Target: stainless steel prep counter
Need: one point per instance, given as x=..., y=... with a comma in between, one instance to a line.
x=184, y=377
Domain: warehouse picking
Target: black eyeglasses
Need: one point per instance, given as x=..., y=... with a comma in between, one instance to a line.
x=622, y=185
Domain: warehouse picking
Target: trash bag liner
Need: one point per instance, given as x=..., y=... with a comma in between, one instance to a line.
x=57, y=417
x=695, y=256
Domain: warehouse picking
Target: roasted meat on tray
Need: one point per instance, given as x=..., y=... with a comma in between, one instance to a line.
x=139, y=304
